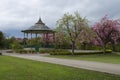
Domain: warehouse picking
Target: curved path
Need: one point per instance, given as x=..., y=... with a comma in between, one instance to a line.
x=96, y=66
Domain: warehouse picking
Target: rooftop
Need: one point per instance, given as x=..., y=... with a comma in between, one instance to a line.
x=38, y=27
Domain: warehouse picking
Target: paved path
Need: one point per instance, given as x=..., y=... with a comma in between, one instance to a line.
x=96, y=66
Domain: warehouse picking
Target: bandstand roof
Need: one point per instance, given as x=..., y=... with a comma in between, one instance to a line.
x=38, y=27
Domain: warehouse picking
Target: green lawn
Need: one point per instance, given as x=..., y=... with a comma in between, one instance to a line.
x=12, y=68
x=108, y=58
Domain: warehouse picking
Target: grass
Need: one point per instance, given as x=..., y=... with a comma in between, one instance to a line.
x=12, y=68
x=108, y=58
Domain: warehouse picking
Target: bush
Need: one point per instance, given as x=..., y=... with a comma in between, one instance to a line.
x=0, y=53
x=60, y=52
x=24, y=51
x=117, y=48
x=66, y=52
x=88, y=47
x=108, y=51
x=76, y=53
x=31, y=51
x=87, y=53
x=16, y=45
x=46, y=50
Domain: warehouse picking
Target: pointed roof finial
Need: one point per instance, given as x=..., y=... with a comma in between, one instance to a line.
x=39, y=21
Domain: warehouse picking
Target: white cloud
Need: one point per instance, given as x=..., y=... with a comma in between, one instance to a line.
x=20, y=14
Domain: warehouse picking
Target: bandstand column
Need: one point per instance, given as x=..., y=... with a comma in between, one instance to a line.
x=27, y=35
x=36, y=35
x=31, y=43
x=53, y=37
x=24, y=39
x=46, y=39
x=27, y=39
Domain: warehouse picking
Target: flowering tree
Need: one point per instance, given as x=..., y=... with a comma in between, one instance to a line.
x=73, y=25
x=86, y=36
x=61, y=37
x=107, y=31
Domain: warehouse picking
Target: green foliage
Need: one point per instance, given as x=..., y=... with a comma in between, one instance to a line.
x=22, y=51
x=55, y=51
x=12, y=43
x=108, y=51
x=52, y=50
x=117, y=48
x=88, y=46
x=92, y=53
x=35, y=41
x=46, y=50
x=2, y=38
x=16, y=45
x=60, y=52
x=66, y=52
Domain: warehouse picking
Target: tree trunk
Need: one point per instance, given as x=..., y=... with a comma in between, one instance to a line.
x=104, y=49
x=73, y=47
x=113, y=47
x=84, y=46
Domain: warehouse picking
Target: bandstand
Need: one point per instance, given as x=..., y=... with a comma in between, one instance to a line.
x=39, y=29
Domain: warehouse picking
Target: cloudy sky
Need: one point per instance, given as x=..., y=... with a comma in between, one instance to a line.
x=16, y=15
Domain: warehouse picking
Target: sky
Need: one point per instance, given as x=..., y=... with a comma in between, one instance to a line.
x=17, y=15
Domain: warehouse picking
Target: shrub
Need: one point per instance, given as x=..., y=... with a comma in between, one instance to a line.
x=76, y=53
x=117, y=48
x=60, y=52
x=46, y=50
x=31, y=51
x=87, y=53
x=43, y=51
x=0, y=53
x=66, y=52
x=16, y=45
x=24, y=51
x=108, y=51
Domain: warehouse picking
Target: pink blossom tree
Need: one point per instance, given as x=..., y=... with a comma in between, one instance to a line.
x=107, y=31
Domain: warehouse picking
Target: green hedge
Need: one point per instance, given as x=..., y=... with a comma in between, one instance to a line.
x=117, y=48
x=46, y=50
x=108, y=51
x=60, y=52
x=52, y=50
x=24, y=51
x=78, y=53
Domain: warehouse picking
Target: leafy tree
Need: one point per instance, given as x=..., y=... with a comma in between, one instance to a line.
x=2, y=38
x=15, y=45
x=107, y=31
x=12, y=43
x=73, y=25
x=9, y=42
